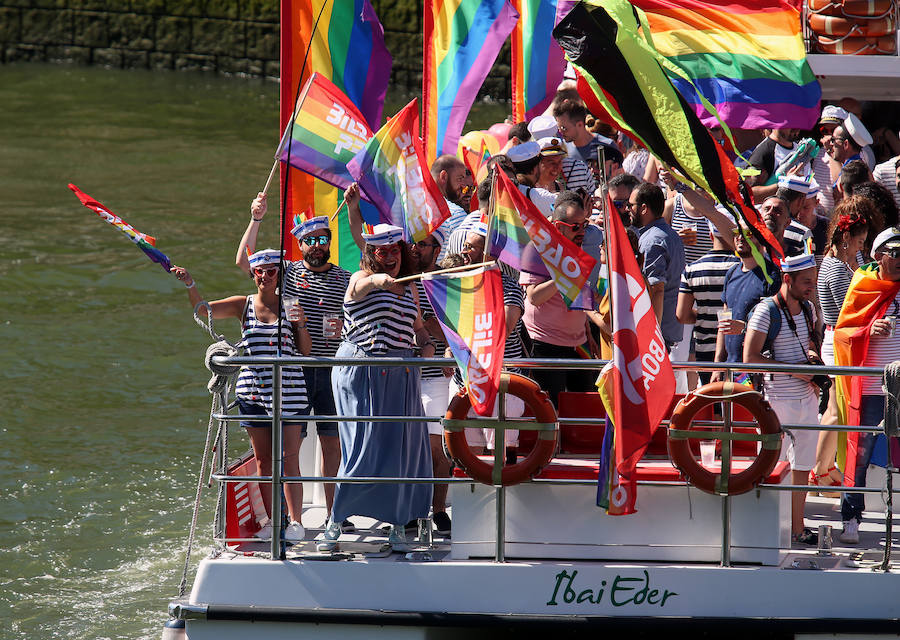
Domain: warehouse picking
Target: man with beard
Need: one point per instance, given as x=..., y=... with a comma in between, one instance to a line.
x=777, y=216
x=782, y=330
x=449, y=174
x=320, y=286
x=795, y=237
x=767, y=156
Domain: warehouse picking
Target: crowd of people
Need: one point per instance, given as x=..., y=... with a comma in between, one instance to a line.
x=719, y=294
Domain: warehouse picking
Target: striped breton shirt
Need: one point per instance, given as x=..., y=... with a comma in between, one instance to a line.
x=788, y=347
x=882, y=350
x=575, y=174
x=680, y=219
x=319, y=293
x=795, y=239
x=439, y=342
x=254, y=384
x=705, y=280
x=833, y=283
x=886, y=175
x=381, y=321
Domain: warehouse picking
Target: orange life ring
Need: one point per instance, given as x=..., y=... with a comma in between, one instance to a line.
x=834, y=26
x=851, y=8
x=857, y=46
x=680, y=428
x=537, y=402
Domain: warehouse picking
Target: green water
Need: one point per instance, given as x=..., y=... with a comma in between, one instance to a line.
x=104, y=395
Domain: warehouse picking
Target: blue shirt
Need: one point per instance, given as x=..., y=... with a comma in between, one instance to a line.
x=742, y=291
x=592, y=245
x=664, y=262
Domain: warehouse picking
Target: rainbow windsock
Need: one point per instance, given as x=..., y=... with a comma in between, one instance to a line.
x=469, y=306
x=461, y=41
x=145, y=243
x=747, y=58
x=393, y=175
x=538, y=63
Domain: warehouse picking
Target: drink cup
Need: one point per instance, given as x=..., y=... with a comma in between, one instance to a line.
x=724, y=315
x=331, y=325
x=707, y=452
x=292, y=308
x=893, y=321
x=689, y=233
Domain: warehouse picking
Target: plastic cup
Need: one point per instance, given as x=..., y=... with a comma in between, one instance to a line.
x=893, y=321
x=331, y=325
x=292, y=308
x=707, y=452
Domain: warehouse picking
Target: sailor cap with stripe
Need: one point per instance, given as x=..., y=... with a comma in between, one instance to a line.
x=440, y=235
x=795, y=183
x=524, y=152
x=479, y=228
x=798, y=263
x=264, y=258
x=383, y=234
x=306, y=227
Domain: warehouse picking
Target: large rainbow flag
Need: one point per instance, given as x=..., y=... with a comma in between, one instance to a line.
x=747, y=58
x=393, y=175
x=538, y=63
x=469, y=306
x=346, y=46
x=461, y=41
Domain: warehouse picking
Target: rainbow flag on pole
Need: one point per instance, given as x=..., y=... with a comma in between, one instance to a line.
x=393, y=175
x=469, y=306
x=746, y=58
x=462, y=39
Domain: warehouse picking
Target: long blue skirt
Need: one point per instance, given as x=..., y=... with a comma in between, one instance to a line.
x=385, y=449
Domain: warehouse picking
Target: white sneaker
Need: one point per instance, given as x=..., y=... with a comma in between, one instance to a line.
x=329, y=539
x=294, y=532
x=397, y=539
x=266, y=532
x=850, y=535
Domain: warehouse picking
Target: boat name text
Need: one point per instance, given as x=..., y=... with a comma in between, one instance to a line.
x=619, y=592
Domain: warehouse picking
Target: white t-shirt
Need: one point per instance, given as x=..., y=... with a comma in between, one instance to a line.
x=787, y=347
x=544, y=200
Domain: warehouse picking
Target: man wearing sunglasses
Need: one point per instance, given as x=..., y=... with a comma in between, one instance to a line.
x=320, y=286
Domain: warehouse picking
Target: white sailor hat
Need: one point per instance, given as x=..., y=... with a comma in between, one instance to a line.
x=524, y=152
x=543, y=127
x=305, y=227
x=798, y=263
x=813, y=188
x=479, y=228
x=552, y=147
x=833, y=115
x=794, y=183
x=857, y=130
x=440, y=235
x=383, y=234
x=265, y=258
x=887, y=239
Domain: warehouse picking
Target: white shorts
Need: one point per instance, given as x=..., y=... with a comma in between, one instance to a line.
x=435, y=400
x=515, y=408
x=799, y=451
x=828, y=348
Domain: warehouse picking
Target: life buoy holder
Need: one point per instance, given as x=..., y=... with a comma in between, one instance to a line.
x=852, y=8
x=835, y=26
x=538, y=402
x=885, y=45
x=681, y=432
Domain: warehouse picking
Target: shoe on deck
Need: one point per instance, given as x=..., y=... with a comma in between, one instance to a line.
x=294, y=532
x=265, y=534
x=329, y=539
x=347, y=527
x=850, y=534
x=807, y=536
x=441, y=523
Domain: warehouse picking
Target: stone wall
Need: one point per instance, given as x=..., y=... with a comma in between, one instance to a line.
x=222, y=36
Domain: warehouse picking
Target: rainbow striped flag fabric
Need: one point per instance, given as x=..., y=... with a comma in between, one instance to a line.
x=327, y=132
x=344, y=42
x=747, y=58
x=393, y=175
x=538, y=63
x=519, y=235
x=462, y=39
x=469, y=306
x=145, y=243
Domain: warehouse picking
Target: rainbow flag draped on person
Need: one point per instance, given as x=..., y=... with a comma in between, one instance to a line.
x=145, y=243
x=393, y=175
x=747, y=58
x=469, y=307
x=461, y=41
x=537, y=61
x=345, y=43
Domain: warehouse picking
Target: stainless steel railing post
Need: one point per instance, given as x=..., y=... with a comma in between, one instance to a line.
x=277, y=543
x=499, y=489
x=725, y=471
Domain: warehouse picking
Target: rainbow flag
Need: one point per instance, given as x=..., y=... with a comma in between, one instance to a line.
x=538, y=63
x=469, y=306
x=393, y=175
x=346, y=46
x=145, y=243
x=462, y=39
x=524, y=239
x=746, y=58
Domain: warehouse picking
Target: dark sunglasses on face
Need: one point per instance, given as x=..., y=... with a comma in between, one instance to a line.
x=384, y=252
x=311, y=241
x=576, y=227
x=618, y=204
x=892, y=253
x=265, y=271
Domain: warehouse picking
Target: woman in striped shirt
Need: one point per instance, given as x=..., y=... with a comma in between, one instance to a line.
x=261, y=331
x=381, y=319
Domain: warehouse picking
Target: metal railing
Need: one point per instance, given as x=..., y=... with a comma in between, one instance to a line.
x=277, y=480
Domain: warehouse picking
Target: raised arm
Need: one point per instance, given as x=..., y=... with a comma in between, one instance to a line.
x=231, y=307
x=258, y=209
x=355, y=214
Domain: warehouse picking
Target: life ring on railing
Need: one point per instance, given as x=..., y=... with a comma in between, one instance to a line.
x=857, y=46
x=537, y=401
x=835, y=26
x=680, y=432
x=851, y=8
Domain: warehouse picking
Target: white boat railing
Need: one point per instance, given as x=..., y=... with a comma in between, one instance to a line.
x=276, y=480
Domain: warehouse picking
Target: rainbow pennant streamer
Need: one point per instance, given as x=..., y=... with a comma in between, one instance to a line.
x=538, y=63
x=145, y=243
x=747, y=59
x=469, y=306
x=462, y=39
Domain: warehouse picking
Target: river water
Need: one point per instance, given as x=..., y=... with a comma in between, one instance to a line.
x=104, y=397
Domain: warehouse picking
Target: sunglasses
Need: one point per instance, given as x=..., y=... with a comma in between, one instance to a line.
x=312, y=241
x=384, y=252
x=892, y=253
x=265, y=271
x=424, y=244
x=576, y=227
x=618, y=204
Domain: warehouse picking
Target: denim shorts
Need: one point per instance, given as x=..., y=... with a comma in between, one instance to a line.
x=256, y=410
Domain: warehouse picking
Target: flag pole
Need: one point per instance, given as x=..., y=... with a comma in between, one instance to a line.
x=464, y=267
x=601, y=158
x=287, y=131
x=338, y=210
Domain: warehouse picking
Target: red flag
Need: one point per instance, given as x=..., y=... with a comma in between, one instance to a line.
x=639, y=378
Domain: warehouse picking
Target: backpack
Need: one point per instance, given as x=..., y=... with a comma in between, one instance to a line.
x=775, y=324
